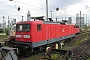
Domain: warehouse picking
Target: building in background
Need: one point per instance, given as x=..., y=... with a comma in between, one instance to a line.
x=77, y=15
x=69, y=20
x=14, y=21
x=1, y=25
x=80, y=21
x=4, y=24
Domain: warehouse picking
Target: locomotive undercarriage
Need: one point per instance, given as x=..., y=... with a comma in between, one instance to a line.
x=25, y=48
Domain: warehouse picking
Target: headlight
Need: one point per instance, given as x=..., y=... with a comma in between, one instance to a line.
x=18, y=36
x=26, y=36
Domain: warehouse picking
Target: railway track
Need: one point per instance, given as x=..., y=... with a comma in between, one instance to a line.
x=34, y=56
x=77, y=53
x=82, y=36
x=74, y=55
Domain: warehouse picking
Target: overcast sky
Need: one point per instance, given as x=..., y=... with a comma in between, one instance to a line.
x=67, y=8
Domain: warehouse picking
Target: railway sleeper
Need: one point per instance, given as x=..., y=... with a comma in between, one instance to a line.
x=81, y=57
x=54, y=51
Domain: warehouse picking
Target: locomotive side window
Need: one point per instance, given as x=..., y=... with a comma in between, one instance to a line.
x=38, y=26
x=23, y=27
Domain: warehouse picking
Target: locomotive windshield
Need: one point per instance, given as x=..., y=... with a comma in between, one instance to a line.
x=23, y=27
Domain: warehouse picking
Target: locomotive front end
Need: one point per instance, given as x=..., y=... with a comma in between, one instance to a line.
x=23, y=33
x=23, y=37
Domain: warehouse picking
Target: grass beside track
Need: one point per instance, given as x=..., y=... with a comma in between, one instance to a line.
x=36, y=57
x=88, y=59
x=2, y=37
x=68, y=47
x=39, y=56
x=75, y=44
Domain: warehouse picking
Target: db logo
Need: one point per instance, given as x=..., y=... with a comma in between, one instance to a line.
x=62, y=30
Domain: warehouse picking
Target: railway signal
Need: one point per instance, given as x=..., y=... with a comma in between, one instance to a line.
x=18, y=8
x=11, y=0
x=57, y=8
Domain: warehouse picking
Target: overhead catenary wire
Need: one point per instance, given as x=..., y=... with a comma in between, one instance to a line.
x=11, y=10
x=4, y=2
x=83, y=5
x=29, y=5
x=35, y=6
x=15, y=7
x=73, y=3
x=20, y=3
x=14, y=11
x=43, y=1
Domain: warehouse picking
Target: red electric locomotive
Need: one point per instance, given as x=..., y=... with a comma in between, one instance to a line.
x=77, y=29
x=31, y=35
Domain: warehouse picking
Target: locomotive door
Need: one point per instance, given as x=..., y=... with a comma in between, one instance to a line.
x=47, y=33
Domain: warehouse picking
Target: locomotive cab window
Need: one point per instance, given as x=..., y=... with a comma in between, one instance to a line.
x=23, y=27
x=38, y=27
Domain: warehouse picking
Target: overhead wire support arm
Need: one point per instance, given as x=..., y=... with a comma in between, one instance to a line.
x=47, y=10
x=4, y=2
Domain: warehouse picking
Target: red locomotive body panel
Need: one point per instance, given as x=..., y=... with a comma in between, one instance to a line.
x=41, y=33
x=57, y=30
x=52, y=31
x=77, y=30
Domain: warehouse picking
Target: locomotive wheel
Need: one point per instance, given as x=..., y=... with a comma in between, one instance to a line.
x=2, y=44
x=24, y=52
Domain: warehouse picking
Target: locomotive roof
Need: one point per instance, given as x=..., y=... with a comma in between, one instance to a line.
x=42, y=22
x=53, y=22
x=27, y=22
